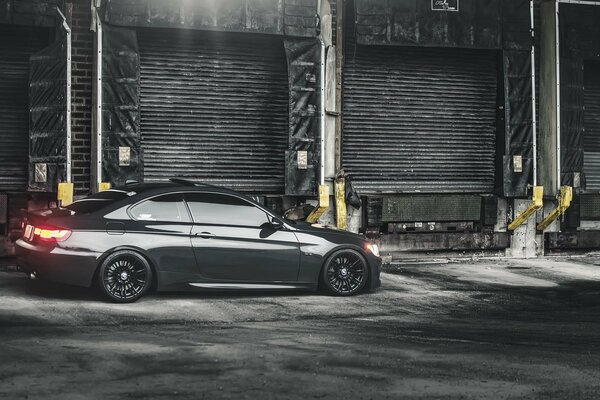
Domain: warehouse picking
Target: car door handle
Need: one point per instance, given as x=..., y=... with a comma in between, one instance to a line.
x=205, y=235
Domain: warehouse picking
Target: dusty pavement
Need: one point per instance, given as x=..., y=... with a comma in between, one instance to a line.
x=488, y=329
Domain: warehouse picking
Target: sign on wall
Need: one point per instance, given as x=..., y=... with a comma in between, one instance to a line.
x=444, y=5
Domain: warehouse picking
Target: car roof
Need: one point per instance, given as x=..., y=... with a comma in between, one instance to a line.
x=133, y=192
x=140, y=191
x=179, y=185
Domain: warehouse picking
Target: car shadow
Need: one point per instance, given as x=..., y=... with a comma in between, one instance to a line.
x=58, y=291
x=232, y=294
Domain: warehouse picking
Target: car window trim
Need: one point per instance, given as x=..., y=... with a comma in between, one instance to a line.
x=191, y=217
x=224, y=194
x=253, y=203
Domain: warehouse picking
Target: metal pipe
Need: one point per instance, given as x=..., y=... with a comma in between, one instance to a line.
x=321, y=104
x=98, y=100
x=66, y=27
x=533, y=96
x=557, y=57
x=322, y=115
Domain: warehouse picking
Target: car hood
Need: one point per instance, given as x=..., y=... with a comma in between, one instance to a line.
x=327, y=230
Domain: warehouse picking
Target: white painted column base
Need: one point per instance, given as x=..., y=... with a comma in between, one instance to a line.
x=525, y=242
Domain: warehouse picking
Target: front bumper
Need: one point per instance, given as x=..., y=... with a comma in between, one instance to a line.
x=56, y=264
x=375, y=281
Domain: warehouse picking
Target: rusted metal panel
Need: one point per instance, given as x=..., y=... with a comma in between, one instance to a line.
x=214, y=108
x=289, y=17
x=49, y=116
x=438, y=241
x=582, y=240
x=420, y=119
x=3, y=210
x=571, y=120
x=579, y=30
x=120, y=122
x=589, y=207
x=29, y=12
x=17, y=44
x=426, y=208
x=472, y=24
x=518, y=120
x=303, y=71
x=591, y=136
x=404, y=227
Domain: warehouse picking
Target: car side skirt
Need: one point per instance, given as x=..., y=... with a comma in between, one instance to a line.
x=248, y=286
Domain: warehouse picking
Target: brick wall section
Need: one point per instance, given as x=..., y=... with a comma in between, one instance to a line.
x=81, y=109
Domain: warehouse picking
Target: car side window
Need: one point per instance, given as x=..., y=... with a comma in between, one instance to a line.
x=224, y=209
x=167, y=208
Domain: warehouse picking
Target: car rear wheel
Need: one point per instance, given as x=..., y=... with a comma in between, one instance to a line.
x=124, y=276
x=345, y=273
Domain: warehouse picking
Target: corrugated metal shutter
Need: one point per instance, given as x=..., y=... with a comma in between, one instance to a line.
x=214, y=108
x=17, y=43
x=591, y=121
x=420, y=119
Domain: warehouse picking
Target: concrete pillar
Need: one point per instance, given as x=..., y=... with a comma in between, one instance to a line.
x=525, y=242
x=328, y=218
x=354, y=219
x=549, y=117
x=330, y=117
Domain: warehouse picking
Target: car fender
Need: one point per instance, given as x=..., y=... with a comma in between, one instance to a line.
x=137, y=249
x=351, y=246
x=315, y=249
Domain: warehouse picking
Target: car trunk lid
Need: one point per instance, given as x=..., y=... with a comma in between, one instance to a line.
x=36, y=220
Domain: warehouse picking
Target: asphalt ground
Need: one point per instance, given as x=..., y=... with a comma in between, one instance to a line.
x=486, y=329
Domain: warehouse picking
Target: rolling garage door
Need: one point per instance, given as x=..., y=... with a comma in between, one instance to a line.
x=420, y=119
x=591, y=138
x=17, y=44
x=214, y=108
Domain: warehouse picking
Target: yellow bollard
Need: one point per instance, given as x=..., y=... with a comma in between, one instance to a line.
x=564, y=201
x=65, y=193
x=340, y=203
x=323, y=205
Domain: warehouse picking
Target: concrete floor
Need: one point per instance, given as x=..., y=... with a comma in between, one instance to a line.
x=470, y=329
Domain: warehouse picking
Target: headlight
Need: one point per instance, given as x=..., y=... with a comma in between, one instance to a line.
x=373, y=248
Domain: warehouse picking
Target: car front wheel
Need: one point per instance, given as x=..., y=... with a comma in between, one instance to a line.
x=345, y=273
x=124, y=276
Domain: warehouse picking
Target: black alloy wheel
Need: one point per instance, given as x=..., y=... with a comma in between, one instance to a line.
x=124, y=276
x=345, y=272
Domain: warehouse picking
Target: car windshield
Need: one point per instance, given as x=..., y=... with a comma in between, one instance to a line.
x=98, y=201
x=271, y=211
x=287, y=220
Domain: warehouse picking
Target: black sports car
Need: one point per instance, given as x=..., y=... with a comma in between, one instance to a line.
x=182, y=235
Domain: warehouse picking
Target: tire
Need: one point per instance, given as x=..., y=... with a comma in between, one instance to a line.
x=345, y=273
x=124, y=276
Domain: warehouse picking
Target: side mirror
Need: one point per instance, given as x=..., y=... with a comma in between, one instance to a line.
x=275, y=223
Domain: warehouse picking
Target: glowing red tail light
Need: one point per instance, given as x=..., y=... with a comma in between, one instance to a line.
x=47, y=233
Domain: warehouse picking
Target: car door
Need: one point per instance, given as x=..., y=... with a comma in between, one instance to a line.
x=234, y=241
x=161, y=225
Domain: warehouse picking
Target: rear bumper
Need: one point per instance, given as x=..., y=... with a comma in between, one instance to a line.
x=56, y=264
